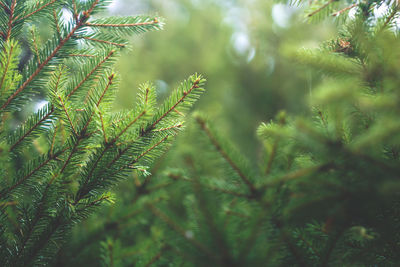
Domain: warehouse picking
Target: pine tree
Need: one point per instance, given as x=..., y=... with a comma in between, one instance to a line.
x=58, y=165
x=326, y=189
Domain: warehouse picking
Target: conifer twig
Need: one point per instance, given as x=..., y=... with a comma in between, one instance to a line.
x=337, y=13
x=10, y=19
x=321, y=8
x=195, y=85
x=67, y=114
x=90, y=74
x=155, y=21
x=44, y=118
x=39, y=9
x=5, y=70
x=35, y=46
x=51, y=56
x=103, y=41
x=223, y=153
x=26, y=177
x=178, y=229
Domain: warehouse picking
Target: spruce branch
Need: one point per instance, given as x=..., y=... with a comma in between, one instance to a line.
x=91, y=73
x=23, y=179
x=10, y=19
x=219, y=148
x=39, y=9
x=196, y=84
x=154, y=22
x=337, y=13
x=321, y=8
x=51, y=56
x=103, y=41
x=158, y=213
x=9, y=54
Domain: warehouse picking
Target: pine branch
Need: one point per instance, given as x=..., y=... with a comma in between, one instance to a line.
x=103, y=41
x=185, y=94
x=51, y=56
x=39, y=9
x=179, y=230
x=344, y=10
x=154, y=22
x=90, y=73
x=321, y=8
x=31, y=173
x=5, y=70
x=67, y=115
x=223, y=153
x=10, y=19
x=27, y=133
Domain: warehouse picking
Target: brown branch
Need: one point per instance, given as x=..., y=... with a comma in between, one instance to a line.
x=44, y=118
x=10, y=19
x=35, y=45
x=6, y=69
x=110, y=82
x=75, y=10
x=10, y=189
x=236, y=194
x=39, y=9
x=56, y=22
x=103, y=41
x=52, y=55
x=128, y=126
x=53, y=140
x=90, y=73
x=216, y=144
x=6, y=9
x=271, y=157
x=149, y=150
x=297, y=174
x=108, y=146
x=195, y=85
x=392, y=14
x=154, y=259
x=80, y=55
x=68, y=117
x=102, y=127
x=169, y=128
x=321, y=8
x=155, y=21
x=36, y=218
x=69, y=157
x=158, y=213
x=344, y=10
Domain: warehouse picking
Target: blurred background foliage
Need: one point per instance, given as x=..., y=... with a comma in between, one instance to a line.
x=239, y=45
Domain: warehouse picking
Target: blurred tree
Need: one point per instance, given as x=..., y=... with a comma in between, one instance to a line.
x=238, y=45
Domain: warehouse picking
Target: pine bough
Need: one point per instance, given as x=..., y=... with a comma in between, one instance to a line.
x=58, y=165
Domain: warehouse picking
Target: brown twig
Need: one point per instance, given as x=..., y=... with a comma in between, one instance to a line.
x=155, y=21
x=321, y=8
x=195, y=85
x=219, y=148
x=39, y=9
x=51, y=56
x=90, y=73
x=103, y=41
x=344, y=10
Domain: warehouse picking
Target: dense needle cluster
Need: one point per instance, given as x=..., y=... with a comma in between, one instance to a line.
x=59, y=164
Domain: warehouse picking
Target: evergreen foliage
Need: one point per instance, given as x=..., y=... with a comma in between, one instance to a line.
x=325, y=192
x=59, y=164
